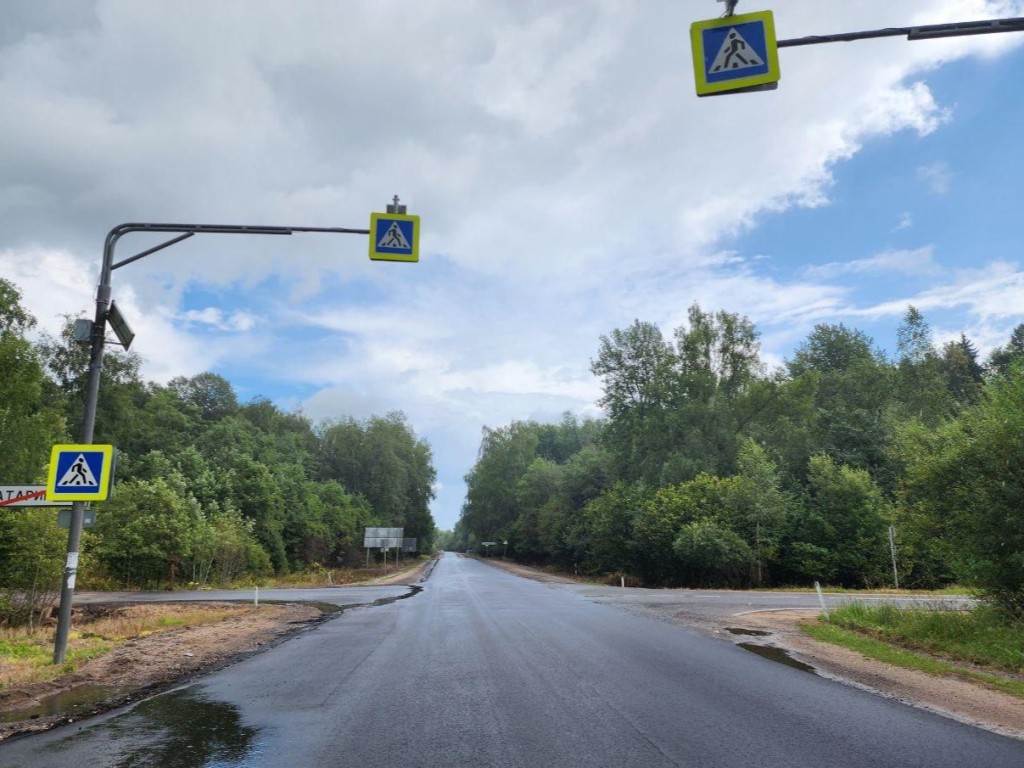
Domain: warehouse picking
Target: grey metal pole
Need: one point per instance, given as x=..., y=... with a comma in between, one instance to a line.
x=92, y=393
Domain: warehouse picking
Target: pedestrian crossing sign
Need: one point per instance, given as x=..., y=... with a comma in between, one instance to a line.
x=80, y=472
x=735, y=53
x=394, y=237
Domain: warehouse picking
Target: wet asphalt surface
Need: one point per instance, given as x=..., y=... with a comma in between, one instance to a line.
x=483, y=668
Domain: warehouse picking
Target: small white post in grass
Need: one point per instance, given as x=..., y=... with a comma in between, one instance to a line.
x=256, y=597
x=892, y=551
x=821, y=598
x=622, y=581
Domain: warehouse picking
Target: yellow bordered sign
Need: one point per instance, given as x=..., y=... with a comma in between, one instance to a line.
x=735, y=53
x=80, y=472
x=394, y=237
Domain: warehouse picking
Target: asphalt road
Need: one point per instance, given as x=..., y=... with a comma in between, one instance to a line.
x=343, y=596
x=484, y=668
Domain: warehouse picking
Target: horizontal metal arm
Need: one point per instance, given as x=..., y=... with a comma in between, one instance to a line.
x=188, y=230
x=924, y=32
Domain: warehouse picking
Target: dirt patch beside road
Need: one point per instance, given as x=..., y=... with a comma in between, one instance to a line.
x=407, y=576
x=146, y=664
x=961, y=700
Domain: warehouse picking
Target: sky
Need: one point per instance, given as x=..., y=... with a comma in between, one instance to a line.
x=567, y=177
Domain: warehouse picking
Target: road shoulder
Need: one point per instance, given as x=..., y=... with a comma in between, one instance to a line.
x=145, y=665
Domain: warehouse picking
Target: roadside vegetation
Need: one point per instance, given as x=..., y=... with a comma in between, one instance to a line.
x=710, y=470
x=210, y=491
x=26, y=654
x=982, y=645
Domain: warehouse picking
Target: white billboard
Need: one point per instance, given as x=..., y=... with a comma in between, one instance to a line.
x=383, y=538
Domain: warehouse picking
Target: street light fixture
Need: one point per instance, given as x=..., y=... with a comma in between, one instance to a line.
x=107, y=312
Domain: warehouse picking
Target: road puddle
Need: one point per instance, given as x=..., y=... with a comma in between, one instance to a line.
x=776, y=654
x=181, y=729
x=743, y=631
x=68, y=703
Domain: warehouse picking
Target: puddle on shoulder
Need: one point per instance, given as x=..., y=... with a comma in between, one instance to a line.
x=744, y=631
x=776, y=654
x=70, y=702
x=180, y=729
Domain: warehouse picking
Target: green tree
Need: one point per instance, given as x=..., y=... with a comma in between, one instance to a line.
x=963, y=374
x=1002, y=358
x=32, y=551
x=383, y=460
x=920, y=384
x=635, y=366
x=210, y=393
x=852, y=400
x=610, y=519
x=714, y=554
x=146, y=532
x=974, y=478
x=841, y=535
x=658, y=523
x=491, y=485
x=28, y=427
x=757, y=508
x=122, y=391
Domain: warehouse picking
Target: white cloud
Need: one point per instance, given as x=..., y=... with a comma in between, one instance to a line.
x=918, y=261
x=994, y=292
x=937, y=177
x=216, y=318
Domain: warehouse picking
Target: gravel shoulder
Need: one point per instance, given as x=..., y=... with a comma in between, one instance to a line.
x=961, y=700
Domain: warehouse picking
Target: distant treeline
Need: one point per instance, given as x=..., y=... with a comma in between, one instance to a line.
x=208, y=489
x=710, y=470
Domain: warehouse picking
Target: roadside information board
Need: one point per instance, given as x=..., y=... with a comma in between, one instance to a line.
x=27, y=496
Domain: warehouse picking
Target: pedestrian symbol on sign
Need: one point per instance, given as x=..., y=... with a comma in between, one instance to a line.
x=79, y=474
x=394, y=238
x=735, y=53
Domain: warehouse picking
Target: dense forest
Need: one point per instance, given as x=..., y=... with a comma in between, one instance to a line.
x=207, y=489
x=710, y=470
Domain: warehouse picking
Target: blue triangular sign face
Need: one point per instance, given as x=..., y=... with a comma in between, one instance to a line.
x=79, y=471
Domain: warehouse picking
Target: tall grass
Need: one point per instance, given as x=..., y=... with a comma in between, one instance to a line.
x=983, y=635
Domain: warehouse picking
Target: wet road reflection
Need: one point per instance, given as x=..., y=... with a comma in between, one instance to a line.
x=181, y=729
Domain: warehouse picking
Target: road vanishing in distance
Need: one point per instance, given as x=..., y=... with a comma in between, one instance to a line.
x=483, y=668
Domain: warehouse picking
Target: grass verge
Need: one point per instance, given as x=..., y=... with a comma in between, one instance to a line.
x=935, y=642
x=26, y=657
